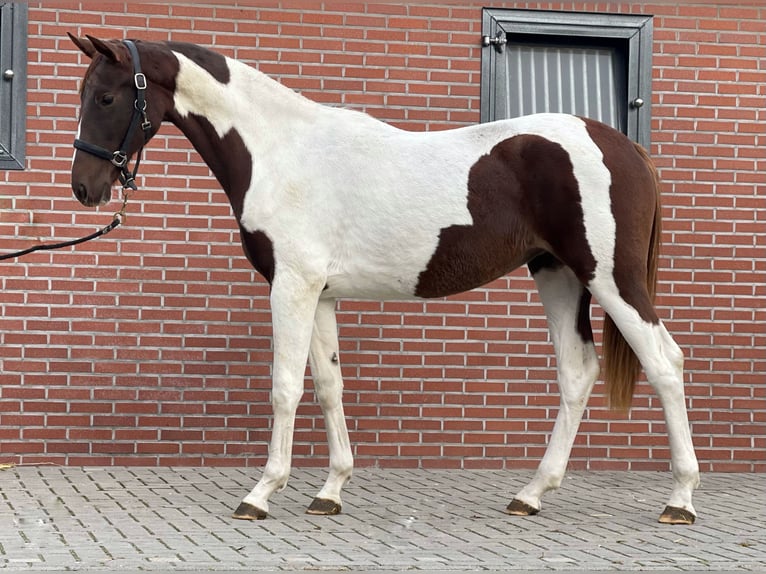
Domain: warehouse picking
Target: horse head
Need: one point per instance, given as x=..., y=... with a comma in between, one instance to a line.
x=110, y=96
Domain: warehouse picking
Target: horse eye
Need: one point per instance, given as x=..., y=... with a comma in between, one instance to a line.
x=107, y=99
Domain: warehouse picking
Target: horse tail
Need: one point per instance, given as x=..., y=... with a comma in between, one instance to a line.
x=621, y=366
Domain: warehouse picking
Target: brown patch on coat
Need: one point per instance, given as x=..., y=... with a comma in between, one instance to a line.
x=259, y=251
x=634, y=204
x=524, y=200
x=227, y=157
x=232, y=164
x=212, y=62
x=584, y=327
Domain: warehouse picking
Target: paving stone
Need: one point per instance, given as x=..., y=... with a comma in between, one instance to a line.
x=147, y=519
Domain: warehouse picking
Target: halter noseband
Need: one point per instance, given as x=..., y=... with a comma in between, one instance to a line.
x=119, y=158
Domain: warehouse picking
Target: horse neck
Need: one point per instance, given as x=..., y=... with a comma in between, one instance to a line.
x=236, y=124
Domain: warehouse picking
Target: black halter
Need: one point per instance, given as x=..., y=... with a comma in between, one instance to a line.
x=120, y=157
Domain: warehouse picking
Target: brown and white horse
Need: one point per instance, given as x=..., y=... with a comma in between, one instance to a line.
x=333, y=203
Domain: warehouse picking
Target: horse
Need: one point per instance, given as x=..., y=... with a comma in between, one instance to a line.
x=332, y=203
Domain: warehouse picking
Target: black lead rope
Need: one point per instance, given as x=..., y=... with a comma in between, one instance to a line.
x=119, y=217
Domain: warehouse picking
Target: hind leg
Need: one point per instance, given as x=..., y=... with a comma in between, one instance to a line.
x=566, y=304
x=662, y=361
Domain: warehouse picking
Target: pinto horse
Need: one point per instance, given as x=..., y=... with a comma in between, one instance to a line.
x=333, y=203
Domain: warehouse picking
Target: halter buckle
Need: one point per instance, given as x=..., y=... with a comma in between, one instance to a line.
x=119, y=159
x=140, y=81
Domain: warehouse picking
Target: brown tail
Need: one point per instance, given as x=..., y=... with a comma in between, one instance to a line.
x=621, y=366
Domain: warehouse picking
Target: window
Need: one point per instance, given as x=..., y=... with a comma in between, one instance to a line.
x=593, y=65
x=13, y=84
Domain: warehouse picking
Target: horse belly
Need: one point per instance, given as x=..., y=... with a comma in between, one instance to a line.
x=453, y=265
x=366, y=286
x=385, y=268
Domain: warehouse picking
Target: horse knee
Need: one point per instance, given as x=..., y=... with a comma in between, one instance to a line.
x=329, y=398
x=328, y=387
x=285, y=398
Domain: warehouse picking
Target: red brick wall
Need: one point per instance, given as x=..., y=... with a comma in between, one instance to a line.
x=152, y=346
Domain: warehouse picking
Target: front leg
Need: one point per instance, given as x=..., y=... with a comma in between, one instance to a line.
x=325, y=368
x=293, y=305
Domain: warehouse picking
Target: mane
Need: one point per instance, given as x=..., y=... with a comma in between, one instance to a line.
x=212, y=62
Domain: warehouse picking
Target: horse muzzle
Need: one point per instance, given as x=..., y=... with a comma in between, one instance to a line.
x=93, y=195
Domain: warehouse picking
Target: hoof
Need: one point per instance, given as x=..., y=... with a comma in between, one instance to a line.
x=519, y=508
x=324, y=507
x=247, y=511
x=675, y=515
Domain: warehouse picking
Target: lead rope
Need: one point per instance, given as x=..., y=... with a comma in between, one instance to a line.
x=117, y=220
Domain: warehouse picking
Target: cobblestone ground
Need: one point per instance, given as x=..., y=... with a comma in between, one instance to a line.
x=121, y=519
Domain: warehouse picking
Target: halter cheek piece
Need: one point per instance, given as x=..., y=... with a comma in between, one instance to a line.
x=119, y=158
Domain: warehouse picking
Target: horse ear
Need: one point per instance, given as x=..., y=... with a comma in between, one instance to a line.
x=104, y=48
x=84, y=44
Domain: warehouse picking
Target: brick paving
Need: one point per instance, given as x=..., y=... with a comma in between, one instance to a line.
x=150, y=519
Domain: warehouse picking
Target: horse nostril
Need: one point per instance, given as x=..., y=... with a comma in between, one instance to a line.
x=80, y=192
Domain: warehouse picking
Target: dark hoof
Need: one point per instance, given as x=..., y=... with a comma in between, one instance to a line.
x=675, y=515
x=324, y=507
x=519, y=508
x=247, y=511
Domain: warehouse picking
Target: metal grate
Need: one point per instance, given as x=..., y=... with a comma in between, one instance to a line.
x=583, y=81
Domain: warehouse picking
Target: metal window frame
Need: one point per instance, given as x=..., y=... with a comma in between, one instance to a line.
x=635, y=30
x=13, y=84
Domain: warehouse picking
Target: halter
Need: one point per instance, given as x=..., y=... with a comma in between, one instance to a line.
x=119, y=158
